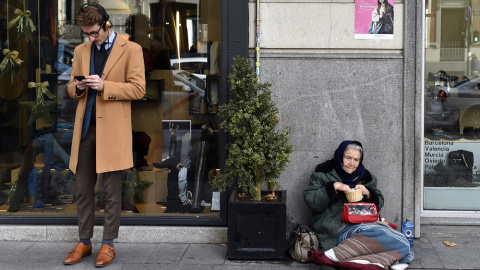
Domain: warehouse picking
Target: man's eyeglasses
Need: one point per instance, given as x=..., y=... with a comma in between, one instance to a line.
x=93, y=34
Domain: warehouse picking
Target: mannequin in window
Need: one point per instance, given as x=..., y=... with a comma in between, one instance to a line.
x=173, y=139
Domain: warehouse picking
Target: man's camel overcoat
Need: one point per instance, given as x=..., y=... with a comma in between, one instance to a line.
x=124, y=80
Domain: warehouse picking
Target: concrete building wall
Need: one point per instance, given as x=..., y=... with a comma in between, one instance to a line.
x=331, y=87
x=317, y=27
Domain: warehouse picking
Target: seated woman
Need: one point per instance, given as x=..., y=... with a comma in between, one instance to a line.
x=353, y=246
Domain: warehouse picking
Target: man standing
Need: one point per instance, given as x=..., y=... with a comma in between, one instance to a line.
x=107, y=73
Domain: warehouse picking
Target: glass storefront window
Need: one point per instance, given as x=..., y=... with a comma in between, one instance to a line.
x=452, y=105
x=175, y=126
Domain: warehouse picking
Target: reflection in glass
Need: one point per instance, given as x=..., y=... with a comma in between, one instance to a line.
x=180, y=41
x=452, y=105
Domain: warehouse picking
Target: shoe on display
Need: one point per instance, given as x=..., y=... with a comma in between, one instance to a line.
x=477, y=132
x=441, y=134
x=38, y=204
x=469, y=133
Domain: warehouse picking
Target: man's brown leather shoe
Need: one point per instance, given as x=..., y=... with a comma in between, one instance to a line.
x=105, y=256
x=78, y=252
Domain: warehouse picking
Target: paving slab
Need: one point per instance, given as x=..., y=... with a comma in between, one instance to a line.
x=46, y=252
x=464, y=255
x=165, y=267
x=127, y=253
x=205, y=254
x=167, y=253
x=425, y=255
x=430, y=253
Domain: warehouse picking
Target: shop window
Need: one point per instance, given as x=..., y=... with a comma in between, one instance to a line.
x=175, y=126
x=452, y=105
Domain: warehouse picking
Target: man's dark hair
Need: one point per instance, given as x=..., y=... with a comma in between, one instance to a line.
x=89, y=15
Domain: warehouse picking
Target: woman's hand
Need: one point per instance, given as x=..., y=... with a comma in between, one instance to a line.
x=341, y=187
x=365, y=191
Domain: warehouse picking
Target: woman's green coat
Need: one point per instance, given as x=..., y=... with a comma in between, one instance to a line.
x=327, y=204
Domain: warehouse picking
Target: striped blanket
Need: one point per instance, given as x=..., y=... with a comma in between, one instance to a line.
x=367, y=246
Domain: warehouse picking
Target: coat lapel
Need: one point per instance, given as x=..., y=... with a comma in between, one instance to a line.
x=86, y=58
x=117, y=50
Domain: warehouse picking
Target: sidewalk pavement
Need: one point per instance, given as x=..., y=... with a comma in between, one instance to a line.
x=430, y=253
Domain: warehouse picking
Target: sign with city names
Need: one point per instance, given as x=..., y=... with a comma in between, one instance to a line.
x=437, y=151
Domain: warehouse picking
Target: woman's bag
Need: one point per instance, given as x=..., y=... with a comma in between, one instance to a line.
x=300, y=242
x=360, y=212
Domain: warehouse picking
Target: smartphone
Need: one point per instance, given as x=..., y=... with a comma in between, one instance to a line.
x=79, y=78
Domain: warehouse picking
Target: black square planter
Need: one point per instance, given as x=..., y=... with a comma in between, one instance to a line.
x=256, y=230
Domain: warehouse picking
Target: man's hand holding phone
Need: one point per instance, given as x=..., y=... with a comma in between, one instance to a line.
x=92, y=81
x=80, y=82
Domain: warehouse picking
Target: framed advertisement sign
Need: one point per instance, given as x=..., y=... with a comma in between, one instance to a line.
x=374, y=19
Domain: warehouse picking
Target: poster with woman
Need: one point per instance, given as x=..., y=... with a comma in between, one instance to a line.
x=374, y=19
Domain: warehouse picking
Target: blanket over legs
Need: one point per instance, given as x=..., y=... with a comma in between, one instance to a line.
x=365, y=244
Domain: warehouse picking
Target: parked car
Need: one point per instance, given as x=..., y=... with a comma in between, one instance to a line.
x=188, y=73
x=444, y=101
x=191, y=63
x=461, y=93
x=65, y=58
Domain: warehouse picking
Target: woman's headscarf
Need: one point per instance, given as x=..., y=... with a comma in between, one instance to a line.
x=348, y=178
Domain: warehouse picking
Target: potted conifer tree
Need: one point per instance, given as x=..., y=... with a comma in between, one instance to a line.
x=257, y=155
